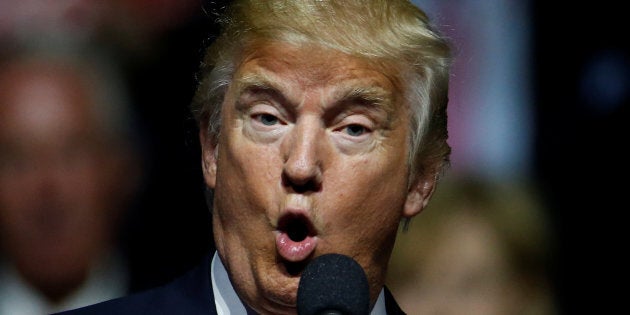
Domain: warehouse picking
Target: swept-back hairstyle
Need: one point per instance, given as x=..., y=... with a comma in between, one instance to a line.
x=394, y=32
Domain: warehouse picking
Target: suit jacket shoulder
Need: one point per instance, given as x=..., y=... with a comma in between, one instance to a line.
x=190, y=294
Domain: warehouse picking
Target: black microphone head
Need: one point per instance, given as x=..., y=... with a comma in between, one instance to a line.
x=333, y=284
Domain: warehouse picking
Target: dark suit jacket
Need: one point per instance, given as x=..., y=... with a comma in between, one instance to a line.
x=190, y=294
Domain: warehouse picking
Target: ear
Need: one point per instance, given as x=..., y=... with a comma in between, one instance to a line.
x=419, y=194
x=209, y=152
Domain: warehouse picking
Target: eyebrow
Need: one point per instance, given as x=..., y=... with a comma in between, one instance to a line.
x=370, y=97
x=258, y=82
x=365, y=98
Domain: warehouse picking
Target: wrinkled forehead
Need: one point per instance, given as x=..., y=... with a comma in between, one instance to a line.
x=298, y=69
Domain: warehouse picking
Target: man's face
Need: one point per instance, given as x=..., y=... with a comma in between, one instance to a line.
x=312, y=159
x=55, y=182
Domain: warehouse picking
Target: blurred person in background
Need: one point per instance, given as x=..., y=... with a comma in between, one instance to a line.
x=67, y=174
x=481, y=247
x=156, y=45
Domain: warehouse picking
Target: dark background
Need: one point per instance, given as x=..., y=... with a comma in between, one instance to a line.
x=581, y=148
x=169, y=229
x=580, y=155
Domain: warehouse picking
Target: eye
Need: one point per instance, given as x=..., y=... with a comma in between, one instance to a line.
x=355, y=130
x=267, y=119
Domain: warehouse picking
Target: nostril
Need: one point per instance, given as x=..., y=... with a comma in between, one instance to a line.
x=301, y=187
x=308, y=186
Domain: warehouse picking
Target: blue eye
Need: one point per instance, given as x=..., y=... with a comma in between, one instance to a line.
x=268, y=120
x=355, y=130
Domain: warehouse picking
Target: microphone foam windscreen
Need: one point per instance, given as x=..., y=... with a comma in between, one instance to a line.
x=333, y=284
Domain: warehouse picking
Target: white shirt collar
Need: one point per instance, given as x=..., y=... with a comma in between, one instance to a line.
x=107, y=280
x=227, y=301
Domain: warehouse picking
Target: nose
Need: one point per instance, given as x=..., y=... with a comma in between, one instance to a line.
x=303, y=151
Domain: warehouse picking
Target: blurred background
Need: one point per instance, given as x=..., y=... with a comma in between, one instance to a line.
x=97, y=78
x=538, y=113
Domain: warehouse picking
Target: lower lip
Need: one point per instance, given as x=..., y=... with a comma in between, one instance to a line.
x=295, y=251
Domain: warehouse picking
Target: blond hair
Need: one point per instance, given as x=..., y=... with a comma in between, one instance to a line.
x=390, y=31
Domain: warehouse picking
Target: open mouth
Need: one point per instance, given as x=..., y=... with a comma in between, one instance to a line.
x=295, y=242
x=296, y=226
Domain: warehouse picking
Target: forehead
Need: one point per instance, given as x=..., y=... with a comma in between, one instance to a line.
x=42, y=101
x=293, y=68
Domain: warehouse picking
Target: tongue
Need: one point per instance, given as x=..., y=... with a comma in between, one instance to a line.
x=294, y=251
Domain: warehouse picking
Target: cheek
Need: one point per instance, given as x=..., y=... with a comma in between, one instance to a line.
x=249, y=167
x=370, y=194
x=247, y=176
x=378, y=177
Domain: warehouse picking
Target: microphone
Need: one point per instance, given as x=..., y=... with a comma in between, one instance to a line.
x=333, y=284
